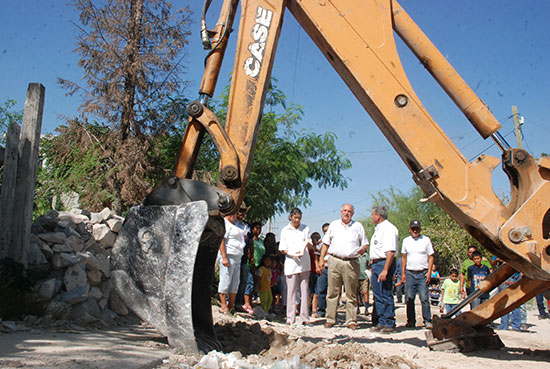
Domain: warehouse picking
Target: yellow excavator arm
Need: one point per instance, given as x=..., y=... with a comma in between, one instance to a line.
x=357, y=38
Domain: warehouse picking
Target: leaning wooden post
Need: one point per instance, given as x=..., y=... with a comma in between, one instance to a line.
x=26, y=173
x=8, y=187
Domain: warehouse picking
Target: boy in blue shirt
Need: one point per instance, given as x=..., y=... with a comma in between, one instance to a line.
x=477, y=273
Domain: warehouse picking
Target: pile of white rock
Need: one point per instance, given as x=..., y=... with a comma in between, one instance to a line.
x=72, y=252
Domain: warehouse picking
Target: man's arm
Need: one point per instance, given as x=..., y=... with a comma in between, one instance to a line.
x=403, y=267
x=321, y=264
x=461, y=288
x=389, y=259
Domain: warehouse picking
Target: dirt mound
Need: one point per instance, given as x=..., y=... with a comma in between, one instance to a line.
x=264, y=345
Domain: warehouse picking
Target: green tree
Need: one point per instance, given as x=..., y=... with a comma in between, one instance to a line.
x=287, y=162
x=7, y=116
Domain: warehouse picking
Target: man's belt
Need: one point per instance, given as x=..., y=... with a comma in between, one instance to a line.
x=377, y=260
x=341, y=258
x=417, y=271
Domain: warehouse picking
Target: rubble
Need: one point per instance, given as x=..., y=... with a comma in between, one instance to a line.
x=71, y=253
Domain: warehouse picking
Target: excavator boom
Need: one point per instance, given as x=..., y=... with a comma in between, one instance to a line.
x=357, y=38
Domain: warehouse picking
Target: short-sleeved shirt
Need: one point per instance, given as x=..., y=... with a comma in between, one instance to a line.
x=345, y=240
x=476, y=275
x=417, y=251
x=264, y=274
x=234, y=239
x=384, y=239
x=451, y=295
x=468, y=263
x=292, y=241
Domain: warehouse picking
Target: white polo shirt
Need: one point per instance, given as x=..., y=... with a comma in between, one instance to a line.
x=294, y=240
x=417, y=251
x=345, y=240
x=384, y=239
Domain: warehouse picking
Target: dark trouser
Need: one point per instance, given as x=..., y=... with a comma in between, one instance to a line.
x=383, y=296
x=322, y=287
x=399, y=292
x=540, y=305
x=416, y=283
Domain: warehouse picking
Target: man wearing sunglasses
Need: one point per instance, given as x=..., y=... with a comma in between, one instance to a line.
x=416, y=265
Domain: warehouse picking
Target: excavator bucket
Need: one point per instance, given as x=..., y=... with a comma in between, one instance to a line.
x=164, y=261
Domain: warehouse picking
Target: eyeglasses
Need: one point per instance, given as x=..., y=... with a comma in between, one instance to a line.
x=242, y=211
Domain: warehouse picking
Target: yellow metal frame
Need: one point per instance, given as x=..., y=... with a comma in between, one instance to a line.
x=357, y=38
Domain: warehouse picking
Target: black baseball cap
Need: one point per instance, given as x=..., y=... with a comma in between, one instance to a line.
x=414, y=224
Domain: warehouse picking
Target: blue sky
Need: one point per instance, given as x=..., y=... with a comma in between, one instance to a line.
x=501, y=49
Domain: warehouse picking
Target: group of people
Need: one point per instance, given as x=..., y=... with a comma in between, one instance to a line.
x=310, y=273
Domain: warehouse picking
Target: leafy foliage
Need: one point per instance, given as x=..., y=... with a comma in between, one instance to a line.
x=287, y=162
x=81, y=158
x=8, y=116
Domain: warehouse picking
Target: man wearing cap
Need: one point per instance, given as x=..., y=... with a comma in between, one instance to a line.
x=416, y=265
x=383, y=247
x=344, y=242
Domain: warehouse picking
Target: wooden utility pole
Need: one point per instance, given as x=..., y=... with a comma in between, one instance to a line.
x=517, y=126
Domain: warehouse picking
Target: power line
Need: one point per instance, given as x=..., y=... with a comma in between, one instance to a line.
x=493, y=144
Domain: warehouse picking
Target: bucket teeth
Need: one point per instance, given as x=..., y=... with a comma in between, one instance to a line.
x=164, y=261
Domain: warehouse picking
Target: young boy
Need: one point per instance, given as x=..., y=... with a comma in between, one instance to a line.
x=477, y=273
x=450, y=292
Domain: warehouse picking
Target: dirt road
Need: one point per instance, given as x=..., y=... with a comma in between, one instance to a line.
x=143, y=347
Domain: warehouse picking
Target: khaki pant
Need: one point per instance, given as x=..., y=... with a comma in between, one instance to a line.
x=344, y=272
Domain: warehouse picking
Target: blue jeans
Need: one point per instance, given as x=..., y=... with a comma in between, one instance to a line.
x=383, y=296
x=399, y=292
x=249, y=288
x=416, y=283
x=321, y=290
x=540, y=305
x=516, y=320
x=478, y=301
x=449, y=307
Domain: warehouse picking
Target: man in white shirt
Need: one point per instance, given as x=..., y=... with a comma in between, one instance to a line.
x=344, y=242
x=384, y=244
x=416, y=265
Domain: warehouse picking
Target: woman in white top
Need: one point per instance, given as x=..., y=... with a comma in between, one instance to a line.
x=231, y=251
x=294, y=243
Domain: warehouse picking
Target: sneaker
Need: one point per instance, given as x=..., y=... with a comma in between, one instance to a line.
x=541, y=317
x=388, y=330
x=377, y=328
x=428, y=325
